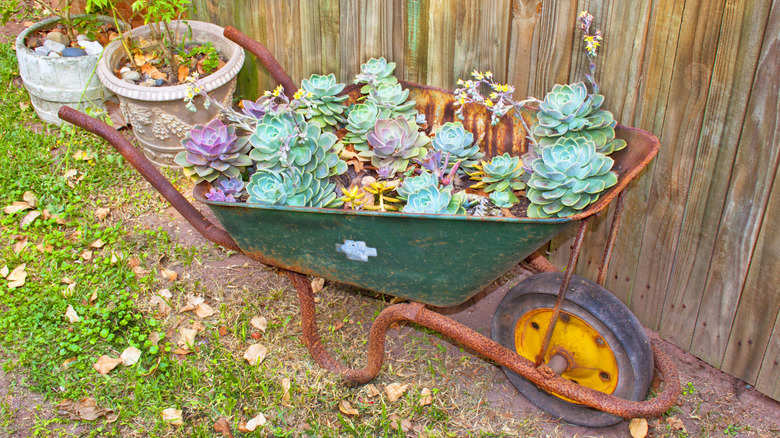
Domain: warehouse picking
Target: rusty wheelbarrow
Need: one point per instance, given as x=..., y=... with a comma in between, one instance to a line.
x=565, y=342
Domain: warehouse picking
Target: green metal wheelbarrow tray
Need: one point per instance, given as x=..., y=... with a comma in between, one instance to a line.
x=443, y=260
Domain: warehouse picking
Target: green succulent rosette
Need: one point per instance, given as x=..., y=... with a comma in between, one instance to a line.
x=453, y=139
x=603, y=138
x=432, y=200
x=380, y=70
x=502, y=173
x=412, y=185
x=323, y=106
x=503, y=199
x=361, y=119
x=291, y=187
x=567, y=177
x=570, y=108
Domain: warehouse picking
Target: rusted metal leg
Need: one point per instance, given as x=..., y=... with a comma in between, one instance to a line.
x=540, y=262
x=613, y=230
x=575, y=254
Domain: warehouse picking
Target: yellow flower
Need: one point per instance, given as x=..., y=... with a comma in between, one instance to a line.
x=298, y=94
x=488, y=74
x=488, y=103
x=477, y=75
x=583, y=14
x=278, y=90
x=493, y=95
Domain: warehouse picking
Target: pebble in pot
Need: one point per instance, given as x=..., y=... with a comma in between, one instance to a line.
x=72, y=52
x=58, y=37
x=54, y=46
x=129, y=75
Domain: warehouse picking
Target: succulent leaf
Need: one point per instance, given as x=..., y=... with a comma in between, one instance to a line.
x=212, y=150
x=394, y=142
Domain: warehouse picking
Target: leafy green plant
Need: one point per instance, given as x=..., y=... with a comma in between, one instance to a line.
x=322, y=105
x=158, y=14
x=210, y=56
x=501, y=173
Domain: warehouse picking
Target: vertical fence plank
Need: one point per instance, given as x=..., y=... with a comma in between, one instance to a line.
x=416, y=45
x=311, y=38
x=523, y=28
x=746, y=204
x=330, y=28
x=441, y=54
x=552, y=59
x=769, y=378
x=736, y=60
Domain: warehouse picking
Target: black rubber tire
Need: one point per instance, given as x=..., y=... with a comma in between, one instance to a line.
x=606, y=314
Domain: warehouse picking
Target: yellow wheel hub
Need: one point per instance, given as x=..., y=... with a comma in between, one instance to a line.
x=591, y=362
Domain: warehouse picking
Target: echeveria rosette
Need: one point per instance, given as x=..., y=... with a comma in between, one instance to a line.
x=394, y=142
x=570, y=108
x=394, y=98
x=432, y=200
x=567, y=177
x=503, y=173
x=379, y=70
x=503, y=199
x=414, y=184
x=322, y=104
x=317, y=152
x=361, y=119
x=291, y=187
x=603, y=138
x=211, y=151
x=217, y=195
x=454, y=139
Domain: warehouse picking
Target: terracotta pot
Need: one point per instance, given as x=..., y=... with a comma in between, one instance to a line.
x=158, y=115
x=54, y=82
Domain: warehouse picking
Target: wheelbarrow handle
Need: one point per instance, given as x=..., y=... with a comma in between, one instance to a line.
x=151, y=174
x=265, y=56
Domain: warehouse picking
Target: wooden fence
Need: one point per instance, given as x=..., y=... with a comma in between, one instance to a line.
x=698, y=257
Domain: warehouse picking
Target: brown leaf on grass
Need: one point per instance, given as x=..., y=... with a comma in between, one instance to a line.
x=133, y=262
x=394, y=391
x=317, y=284
x=187, y=338
x=85, y=410
x=30, y=198
x=29, y=218
x=256, y=335
x=255, y=354
x=199, y=305
x=638, y=428
x=286, y=391
x=130, y=356
x=17, y=277
x=105, y=364
x=252, y=424
x=371, y=390
x=426, y=397
x=97, y=244
x=168, y=274
x=17, y=206
x=260, y=323
x=4, y=271
x=67, y=362
x=140, y=272
x=396, y=420
x=338, y=325
x=172, y=416
x=20, y=245
x=676, y=424
x=346, y=408
x=152, y=72
x=182, y=351
x=183, y=72
x=74, y=236
x=223, y=330
x=198, y=327
x=86, y=255
x=159, y=299
x=69, y=290
x=102, y=212
x=44, y=248
x=71, y=314
x=223, y=427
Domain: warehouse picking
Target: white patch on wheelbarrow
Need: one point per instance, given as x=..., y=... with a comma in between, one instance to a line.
x=356, y=250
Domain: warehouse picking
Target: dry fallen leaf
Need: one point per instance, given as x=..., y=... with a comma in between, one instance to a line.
x=199, y=305
x=133, y=262
x=172, y=416
x=130, y=356
x=168, y=274
x=253, y=424
x=102, y=212
x=140, y=272
x=187, y=338
x=255, y=354
x=17, y=277
x=85, y=409
x=317, y=284
x=676, y=424
x=29, y=218
x=286, y=391
x=159, y=300
x=638, y=428
x=71, y=314
x=372, y=391
x=395, y=419
x=183, y=72
x=20, y=245
x=105, y=364
x=396, y=390
x=30, y=198
x=45, y=248
x=223, y=427
x=223, y=330
x=86, y=255
x=17, y=206
x=426, y=397
x=4, y=271
x=93, y=297
x=97, y=244
x=260, y=323
x=347, y=408
x=69, y=290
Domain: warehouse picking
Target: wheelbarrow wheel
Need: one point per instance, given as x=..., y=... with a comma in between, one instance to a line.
x=603, y=344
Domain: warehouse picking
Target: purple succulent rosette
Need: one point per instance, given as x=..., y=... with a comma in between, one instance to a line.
x=254, y=109
x=217, y=195
x=213, y=150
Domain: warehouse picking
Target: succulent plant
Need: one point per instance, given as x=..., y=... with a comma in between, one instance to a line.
x=376, y=71
x=211, y=151
x=360, y=121
x=604, y=139
x=414, y=184
x=231, y=186
x=432, y=200
x=393, y=97
x=501, y=173
x=255, y=109
x=291, y=187
x=217, y=195
x=453, y=138
x=567, y=177
x=323, y=106
x=503, y=199
x=394, y=142
x=570, y=108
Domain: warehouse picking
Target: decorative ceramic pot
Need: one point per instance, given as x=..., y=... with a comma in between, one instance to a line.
x=158, y=115
x=54, y=82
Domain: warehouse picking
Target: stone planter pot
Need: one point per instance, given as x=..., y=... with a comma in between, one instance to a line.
x=158, y=114
x=54, y=82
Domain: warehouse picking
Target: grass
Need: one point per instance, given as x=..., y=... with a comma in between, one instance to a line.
x=54, y=357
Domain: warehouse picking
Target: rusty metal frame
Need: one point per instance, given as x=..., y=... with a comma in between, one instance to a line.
x=541, y=375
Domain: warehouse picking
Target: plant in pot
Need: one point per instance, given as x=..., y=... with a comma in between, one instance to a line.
x=57, y=58
x=149, y=68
